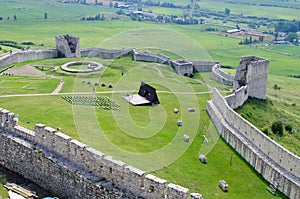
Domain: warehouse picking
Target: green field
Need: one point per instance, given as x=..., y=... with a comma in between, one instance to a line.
x=148, y=137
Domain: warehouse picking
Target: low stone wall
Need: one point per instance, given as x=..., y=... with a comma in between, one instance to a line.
x=275, y=163
x=221, y=76
x=150, y=57
x=70, y=169
x=91, y=67
x=105, y=53
x=17, y=56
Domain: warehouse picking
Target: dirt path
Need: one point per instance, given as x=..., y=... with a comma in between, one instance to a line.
x=59, y=87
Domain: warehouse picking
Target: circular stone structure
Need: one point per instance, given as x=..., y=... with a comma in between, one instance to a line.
x=92, y=66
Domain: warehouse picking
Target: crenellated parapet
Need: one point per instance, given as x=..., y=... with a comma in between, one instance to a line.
x=60, y=164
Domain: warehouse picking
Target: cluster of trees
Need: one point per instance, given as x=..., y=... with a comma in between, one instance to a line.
x=8, y=18
x=9, y=43
x=249, y=40
x=287, y=26
x=97, y=17
x=278, y=128
x=15, y=17
x=184, y=20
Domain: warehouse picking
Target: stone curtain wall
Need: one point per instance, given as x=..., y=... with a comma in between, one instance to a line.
x=105, y=53
x=183, y=67
x=238, y=98
x=221, y=76
x=150, y=57
x=70, y=169
x=204, y=66
x=25, y=55
x=276, y=164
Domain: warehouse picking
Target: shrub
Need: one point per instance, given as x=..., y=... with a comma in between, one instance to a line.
x=276, y=87
x=265, y=130
x=288, y=128
x=27, y=43
x=277, y=128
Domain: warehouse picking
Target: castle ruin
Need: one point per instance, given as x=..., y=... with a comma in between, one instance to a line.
x=60, y=164
x=67, y=46
x=276, y=164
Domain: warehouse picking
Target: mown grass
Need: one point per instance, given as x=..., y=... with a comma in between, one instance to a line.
x=186, y=171
x=180, y=42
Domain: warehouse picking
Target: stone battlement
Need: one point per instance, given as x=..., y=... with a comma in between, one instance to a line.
x=66, y=163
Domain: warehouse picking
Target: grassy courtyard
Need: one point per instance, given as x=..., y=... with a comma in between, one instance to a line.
x=147, y=137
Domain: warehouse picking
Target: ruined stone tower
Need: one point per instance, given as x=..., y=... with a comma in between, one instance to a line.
x=67, y=46
x=253, y=73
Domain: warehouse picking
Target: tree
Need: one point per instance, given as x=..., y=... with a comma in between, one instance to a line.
x=15, y=17
x=277, y=128
x=292, y=37
x=288, y=128
x=227, y=11
x=45, y=15
x=261, y=39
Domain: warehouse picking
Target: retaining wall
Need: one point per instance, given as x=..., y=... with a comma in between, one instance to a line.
x=70, y=169
x=275, y=163
x=221, y=76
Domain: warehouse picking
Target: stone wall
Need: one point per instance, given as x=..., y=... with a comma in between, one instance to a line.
x=238, y=98
x=275, y=163
x=17, y=56
x=183, y=67
x=253, y=72
x=221, y=76
x=70, y=169
x=67, y=46
x=204, y=66
x=150, y=57
x=105, y=53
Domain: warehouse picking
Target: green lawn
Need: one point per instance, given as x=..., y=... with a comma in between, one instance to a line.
x=144, y=136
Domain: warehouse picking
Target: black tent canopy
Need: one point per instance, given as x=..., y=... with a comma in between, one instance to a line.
x=148, y=92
